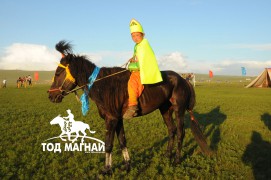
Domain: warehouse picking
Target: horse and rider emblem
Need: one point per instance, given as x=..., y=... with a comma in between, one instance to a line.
x=69, y=126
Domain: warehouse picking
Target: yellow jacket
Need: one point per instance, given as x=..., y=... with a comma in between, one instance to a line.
x=149, y=70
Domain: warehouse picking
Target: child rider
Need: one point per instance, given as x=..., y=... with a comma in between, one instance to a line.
x=143, y=66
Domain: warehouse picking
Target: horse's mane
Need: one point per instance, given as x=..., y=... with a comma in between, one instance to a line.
x=64, y=47
x=81, y=65
x=109, y=91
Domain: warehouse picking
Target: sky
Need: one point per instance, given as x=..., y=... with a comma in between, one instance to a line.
x=186, y=35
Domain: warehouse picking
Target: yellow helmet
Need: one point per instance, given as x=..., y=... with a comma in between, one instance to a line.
x=135, y=26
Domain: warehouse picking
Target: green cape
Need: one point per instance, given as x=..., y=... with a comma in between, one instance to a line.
x=149, y=70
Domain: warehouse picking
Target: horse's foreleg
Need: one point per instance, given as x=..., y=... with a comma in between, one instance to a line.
x=122, y=141
x=166, y=112
x=109, y=140
x=180, y=134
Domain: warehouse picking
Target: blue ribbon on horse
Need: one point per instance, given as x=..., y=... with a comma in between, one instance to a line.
x=84, y=97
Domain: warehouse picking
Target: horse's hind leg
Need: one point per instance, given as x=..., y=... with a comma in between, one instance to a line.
x=122, y=141
x=180, y=133
x=166, y=111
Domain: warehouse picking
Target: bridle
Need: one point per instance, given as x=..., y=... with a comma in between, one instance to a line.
x=69, y=78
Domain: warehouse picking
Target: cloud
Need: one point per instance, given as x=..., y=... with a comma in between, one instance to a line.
x=39, y=57
x=226, y=67
x=233, y=67
x=29, y=57
x=175, y=61
x=23, y=56
x=109, y=58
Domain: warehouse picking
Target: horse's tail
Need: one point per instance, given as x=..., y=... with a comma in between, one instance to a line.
x=198, y=135
x=192, y=97
x=195, y=127
x=92, y=132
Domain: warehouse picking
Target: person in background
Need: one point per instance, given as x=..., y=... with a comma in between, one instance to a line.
x=19, y=82
x=193, y=79
x=29, y=79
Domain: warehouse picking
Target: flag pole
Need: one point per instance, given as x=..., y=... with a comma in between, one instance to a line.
x=244, y=73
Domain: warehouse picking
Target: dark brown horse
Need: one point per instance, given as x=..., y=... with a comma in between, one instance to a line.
x=110, y=95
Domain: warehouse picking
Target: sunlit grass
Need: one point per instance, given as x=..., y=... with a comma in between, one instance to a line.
x=235, y=120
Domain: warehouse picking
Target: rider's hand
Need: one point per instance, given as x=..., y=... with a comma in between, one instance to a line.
x=133, y=59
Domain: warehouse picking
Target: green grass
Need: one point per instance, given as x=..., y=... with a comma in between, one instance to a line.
x=235, y=120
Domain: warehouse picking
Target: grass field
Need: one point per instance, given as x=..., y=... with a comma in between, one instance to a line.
x=235, y=120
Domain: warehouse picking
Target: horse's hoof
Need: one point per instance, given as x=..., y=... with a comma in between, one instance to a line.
x=107, y=171
x=127, y=166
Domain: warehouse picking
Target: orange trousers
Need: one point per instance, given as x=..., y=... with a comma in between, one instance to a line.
x=135, y=88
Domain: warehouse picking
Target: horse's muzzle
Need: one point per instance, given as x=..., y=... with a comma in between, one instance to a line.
x=56, y=97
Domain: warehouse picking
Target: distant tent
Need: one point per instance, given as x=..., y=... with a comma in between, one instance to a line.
x=263, y=80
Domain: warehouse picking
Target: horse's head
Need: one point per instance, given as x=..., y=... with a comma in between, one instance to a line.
x=56, y=120
x=64, y=80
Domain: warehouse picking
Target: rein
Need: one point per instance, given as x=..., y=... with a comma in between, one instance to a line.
x=80, y=87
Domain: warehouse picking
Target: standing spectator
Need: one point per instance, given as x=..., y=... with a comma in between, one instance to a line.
x=20, y=82
x=25, y=81
x=193, y=79
x=187, y=77
x=29, y=79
